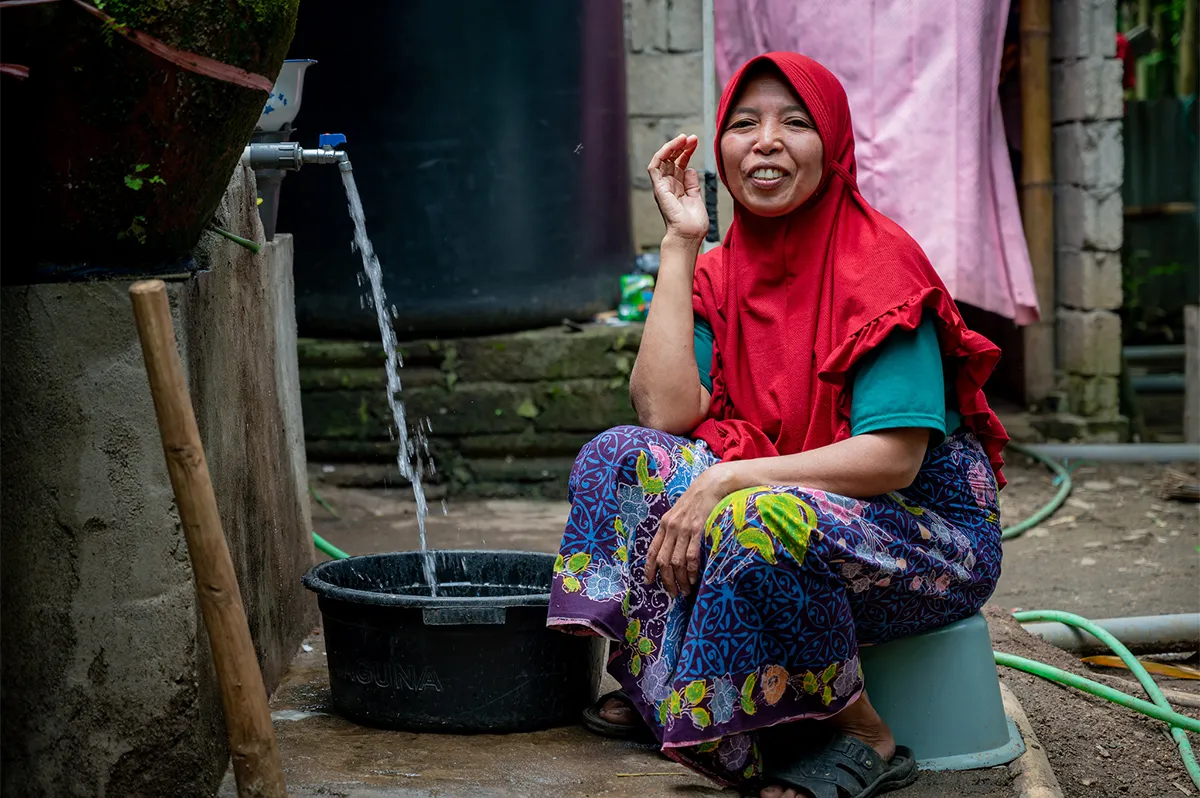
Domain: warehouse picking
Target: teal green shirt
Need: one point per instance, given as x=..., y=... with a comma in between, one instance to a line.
x=900, y=384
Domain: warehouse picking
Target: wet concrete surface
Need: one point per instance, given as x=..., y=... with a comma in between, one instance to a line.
x=325, y=755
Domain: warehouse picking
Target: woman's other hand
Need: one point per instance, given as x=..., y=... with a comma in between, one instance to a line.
x=677, y=190
x=675, y=550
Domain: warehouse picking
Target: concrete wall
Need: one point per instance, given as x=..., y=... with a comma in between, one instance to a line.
x=1087, y=107
x=665, y=96
x=106, y=688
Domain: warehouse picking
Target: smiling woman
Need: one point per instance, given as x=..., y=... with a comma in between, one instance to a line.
x=816, y=469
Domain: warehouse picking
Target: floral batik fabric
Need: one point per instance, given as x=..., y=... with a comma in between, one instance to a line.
x=792, y=582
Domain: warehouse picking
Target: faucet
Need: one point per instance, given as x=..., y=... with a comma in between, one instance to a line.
x=290, y=156
x=272, y=160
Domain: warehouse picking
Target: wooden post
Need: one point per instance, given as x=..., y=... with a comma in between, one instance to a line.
x=1191, y=372
x=256, y=762
x=1037, y=194
x=1186, y=82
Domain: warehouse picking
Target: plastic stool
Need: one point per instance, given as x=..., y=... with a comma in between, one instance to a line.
x=940, y=694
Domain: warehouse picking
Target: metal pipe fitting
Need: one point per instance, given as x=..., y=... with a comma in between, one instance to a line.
x=288, y=155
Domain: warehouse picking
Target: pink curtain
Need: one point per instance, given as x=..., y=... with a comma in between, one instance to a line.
x=922, y=80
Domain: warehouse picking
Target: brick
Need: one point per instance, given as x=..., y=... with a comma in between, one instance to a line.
x=1071, y=29
x=647, y=135
x=665, y=85
x=1089, y=154
x=541, y=355
x=1089, y=342
x=1087, y=89
x=1092, y=396
x=1088, y=218
x=1089, y=280
x=1104, y=28
x=1083, y=28
x=685, y=26
x=646, y=25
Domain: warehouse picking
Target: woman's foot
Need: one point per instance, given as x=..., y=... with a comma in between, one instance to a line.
x=619, y=711
x=858, y=720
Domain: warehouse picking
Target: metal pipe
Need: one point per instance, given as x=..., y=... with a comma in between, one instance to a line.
x=1158, y=383
x=1149, y=634
x=1139, y=354
x=1120, y=452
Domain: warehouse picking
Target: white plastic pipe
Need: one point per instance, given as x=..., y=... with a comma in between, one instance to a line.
x=1120, y=452
x=1149, y=634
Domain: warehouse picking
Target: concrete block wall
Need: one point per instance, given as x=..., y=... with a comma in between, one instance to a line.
x=1087, y=108
x=106, y=683
x=665, y=95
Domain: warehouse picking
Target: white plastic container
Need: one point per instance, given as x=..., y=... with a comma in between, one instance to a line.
x=284, y=103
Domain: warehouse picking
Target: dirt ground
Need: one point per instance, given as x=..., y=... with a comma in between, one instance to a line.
x=1115, y=549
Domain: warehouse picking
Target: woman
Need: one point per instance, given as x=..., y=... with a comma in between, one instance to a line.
x=818, y=353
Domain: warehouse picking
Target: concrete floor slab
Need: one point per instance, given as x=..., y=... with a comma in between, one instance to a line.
x=324, y=755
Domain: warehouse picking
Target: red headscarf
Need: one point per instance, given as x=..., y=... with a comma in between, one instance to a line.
x=796, y=301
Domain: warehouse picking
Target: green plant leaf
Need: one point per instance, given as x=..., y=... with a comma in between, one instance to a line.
x=141, y=167
x=134, y=183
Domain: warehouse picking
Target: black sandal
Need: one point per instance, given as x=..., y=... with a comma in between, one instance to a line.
x=845, y=768
x=637, y=731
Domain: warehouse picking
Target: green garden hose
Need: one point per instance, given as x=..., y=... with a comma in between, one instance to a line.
x=1064, y=490
x=1176, y=721
x=328, y=548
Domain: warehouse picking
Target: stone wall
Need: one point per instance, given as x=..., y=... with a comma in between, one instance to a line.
x=665, y=95
x=106, y=686
x=508, y=414
x=1087, y=107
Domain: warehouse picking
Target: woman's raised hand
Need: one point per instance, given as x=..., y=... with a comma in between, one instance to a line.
x=677, y=189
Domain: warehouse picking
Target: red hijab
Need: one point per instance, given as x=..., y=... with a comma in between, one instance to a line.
x=796, y=301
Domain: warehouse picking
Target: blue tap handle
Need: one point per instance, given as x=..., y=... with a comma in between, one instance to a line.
x=331, y=139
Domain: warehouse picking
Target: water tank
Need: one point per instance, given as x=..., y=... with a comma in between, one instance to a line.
x=489, y=145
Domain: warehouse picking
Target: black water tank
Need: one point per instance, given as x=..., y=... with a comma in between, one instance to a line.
x=489, y=145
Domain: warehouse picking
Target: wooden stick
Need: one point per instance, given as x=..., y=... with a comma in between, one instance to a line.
x=1037, y=195
x=1191, y=374
x=256, y=764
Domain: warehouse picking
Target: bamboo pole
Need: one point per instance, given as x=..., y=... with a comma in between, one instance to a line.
x=1037, y=194
x=1186, y=83
x=256, y=763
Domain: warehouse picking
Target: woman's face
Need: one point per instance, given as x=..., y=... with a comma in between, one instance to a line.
x=772, y=155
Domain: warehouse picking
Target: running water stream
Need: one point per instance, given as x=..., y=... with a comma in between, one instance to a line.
x=413, y=451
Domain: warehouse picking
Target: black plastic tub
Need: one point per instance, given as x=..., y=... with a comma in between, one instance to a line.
x=478, y=658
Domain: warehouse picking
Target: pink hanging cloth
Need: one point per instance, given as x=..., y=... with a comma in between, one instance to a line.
x=922, y=82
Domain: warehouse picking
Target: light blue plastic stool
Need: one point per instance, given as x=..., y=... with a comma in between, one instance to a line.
x=940, y=694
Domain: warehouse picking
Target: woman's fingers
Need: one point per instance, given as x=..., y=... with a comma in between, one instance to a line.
x=652, y=555
x=668, y=152
x=686, y=150
x=679, y=563
x=693, y=556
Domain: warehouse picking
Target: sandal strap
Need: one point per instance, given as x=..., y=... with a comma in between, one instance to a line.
x=846, y=766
